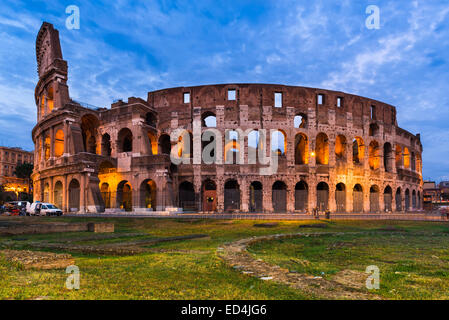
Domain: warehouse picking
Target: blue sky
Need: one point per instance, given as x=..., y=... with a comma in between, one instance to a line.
x=126, y=48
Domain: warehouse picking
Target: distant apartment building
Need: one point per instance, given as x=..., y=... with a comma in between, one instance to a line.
x=9, y=159
x=434, y=194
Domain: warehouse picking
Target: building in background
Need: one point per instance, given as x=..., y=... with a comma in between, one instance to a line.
x=10, y=158
x=435, y=195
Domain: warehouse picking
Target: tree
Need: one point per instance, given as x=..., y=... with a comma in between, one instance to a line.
x=24, y=171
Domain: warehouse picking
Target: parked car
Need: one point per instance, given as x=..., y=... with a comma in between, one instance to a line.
x=44, y=209
x=22, y=206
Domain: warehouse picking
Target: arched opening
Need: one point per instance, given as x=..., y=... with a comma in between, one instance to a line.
x=398, y=199
x=208, y=147
x=407, y=200
x=388, y=199
x=419, y=163
x=59, y=143
x=231, y=196
x=322, y=196
x=279, y=197
x=232, y=147
x=187, y=199
x=151, y=119
x=125, y=140
x=164, y=144
x=340, y=148
x=357, y=195
x=388, y=157
x=374, y=199
x=74, y=196
x=300, y=121
x=185, y=145
x=153, y=143
x=47, y=148
x=50, y=100
x=322, y=149
x=148, y=193
x=57, y=194
x=106, y=195
x=256, y=197
x=208, y=120
x=301, y=196
x=373, y=129
x=406, y=158
x=106, y=149
x=89, y=128
x=358, y=150
x=398, y=156
x=209, y=196
x=47, y=193
x=413, y=162
x=340, y=197
x=301, y=149
x=125, y=196
x=414, y=199
x=374, y=155
x=279, y=142
x=253, y=146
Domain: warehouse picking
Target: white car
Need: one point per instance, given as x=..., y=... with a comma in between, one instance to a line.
x=44, y=209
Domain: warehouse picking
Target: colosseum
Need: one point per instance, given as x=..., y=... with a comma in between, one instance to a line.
x=334, y=151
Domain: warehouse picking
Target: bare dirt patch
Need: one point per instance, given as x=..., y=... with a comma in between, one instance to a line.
x=38, y=259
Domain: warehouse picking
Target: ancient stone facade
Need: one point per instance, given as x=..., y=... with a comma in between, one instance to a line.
x=335, y=151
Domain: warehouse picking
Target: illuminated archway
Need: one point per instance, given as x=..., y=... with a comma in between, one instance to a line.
x=322, y=149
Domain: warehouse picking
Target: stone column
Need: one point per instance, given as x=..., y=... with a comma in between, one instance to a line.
x=244, y=196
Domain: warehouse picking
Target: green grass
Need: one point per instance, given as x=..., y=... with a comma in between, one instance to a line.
x=191, y=269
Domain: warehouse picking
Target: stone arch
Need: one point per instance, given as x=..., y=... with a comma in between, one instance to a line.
x=374, y=199
x=407, y=200
x=58, y=192
x=322, y=196
x=301, y=149
x=374, y=155
x=388, y=199
x=185, y=145
x=186, y=196
x=125, y=140
x=46, y=196
x=279, y=142
x=322, y=149
x=208, y=120
x=398, y=199
x=414, y=199
x=232, y=148
x=358, y=150
x=89, y=128
x=74, y=195
x=105, y=191
x=165, y=144
x=47, y=146
x=153, y=143
x=231, y=195
x=357, y=196
x=279, y=196
x=125, y=196
x=209, y=190
x=106, y=149
x=59, y=143
x=398, y=156
x=406, y=158
x=148, y=194
x=256, y=197
x=301, y=196
x=340, y=148
x=300, y=121
x=388, y=157
x=340, y=197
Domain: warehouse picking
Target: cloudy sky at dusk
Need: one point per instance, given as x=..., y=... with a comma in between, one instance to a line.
x=126, y=48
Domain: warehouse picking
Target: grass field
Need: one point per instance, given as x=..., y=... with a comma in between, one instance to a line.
x=412, y=256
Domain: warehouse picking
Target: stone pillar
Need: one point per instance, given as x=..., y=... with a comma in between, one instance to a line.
x=291, y=197
x=52, y=142
x=332, y=201
x=82, y=193
x=244, y=195
x=65, y=200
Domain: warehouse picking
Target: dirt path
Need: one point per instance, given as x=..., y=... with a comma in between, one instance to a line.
x=347, y=284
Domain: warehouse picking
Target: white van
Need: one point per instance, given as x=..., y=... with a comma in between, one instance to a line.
x=44, y=209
